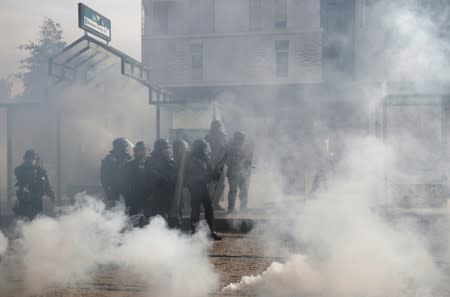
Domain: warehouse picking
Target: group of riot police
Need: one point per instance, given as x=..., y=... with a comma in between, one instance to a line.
x=155, y=182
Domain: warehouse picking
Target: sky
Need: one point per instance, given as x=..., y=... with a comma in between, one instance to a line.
x=20, y=21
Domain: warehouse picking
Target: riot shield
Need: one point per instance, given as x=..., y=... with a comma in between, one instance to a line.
x=174, y=211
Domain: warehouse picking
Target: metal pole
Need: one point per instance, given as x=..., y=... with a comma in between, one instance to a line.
x=444, y=128
x=158, y=116
x=9, y=154
x=58, y=157
x=384, y=121
x=214, y=16
x=384, y=110
x=1, y=200
x=214, y=107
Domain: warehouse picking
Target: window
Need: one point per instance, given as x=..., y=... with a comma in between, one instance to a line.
x=197, y=61
x=230, y=16
x=160, y=17
x=254, y=15
x=280, y=11
x=362, y=13
x=144, y=14
x=337, y=18
x=282, y=57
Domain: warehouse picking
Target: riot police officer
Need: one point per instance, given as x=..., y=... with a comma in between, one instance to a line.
x=111, y=173
x=162, y=172
x=137, y=192
x=32, y=184
x=217, y=140
x=239, y=163
x=198, y=175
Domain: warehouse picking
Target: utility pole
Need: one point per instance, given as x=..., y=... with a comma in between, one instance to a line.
x=158, y=115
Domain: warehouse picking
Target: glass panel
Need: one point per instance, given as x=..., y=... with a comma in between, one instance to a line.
x=160, y=17
x=282, y=64
x=418, y=125
x=255, y=15
x=197, y=61
x=280, y=11
x=61, y=58
x=282, y=45
x=82, y=58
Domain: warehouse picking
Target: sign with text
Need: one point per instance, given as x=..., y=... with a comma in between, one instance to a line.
x=93, y=22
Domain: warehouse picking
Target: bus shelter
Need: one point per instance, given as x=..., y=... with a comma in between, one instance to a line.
x=415, y=126
x=95, y=94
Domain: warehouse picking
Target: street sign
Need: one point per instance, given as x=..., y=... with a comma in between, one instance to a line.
x=93, y=22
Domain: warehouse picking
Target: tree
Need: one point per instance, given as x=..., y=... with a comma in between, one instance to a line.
x=35, y=75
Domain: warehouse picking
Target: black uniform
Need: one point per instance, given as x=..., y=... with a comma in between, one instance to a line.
x=32, y=184
x=239, y=162
x=137, y=190
x=162, y=173
x=217, y=140
x=198, y=175
x=112, y=176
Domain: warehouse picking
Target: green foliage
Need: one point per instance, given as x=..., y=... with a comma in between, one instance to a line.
x=35, y=65
x=50, y=41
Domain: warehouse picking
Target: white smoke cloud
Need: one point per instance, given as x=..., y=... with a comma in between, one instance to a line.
x=3, y=243
x=68, y=248
x=351, y=250
x=294, y=278
x=66, y=251
x=402, y=40
x=176, y=265
x=344, y=244
x=92, y=114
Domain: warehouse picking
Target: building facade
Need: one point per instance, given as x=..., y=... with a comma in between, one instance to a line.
x=223, y=51
x=232, y=42
x=269, y=67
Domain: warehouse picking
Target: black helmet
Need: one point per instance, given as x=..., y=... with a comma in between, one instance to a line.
x=179, y=145
x=239, y=137
x=200, y=148
x=29, y=155
x=121, y=144
x=140, y=145
x=160, y=145
x=216, y=125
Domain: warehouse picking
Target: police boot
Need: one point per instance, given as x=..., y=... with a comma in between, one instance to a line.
x=214, y=236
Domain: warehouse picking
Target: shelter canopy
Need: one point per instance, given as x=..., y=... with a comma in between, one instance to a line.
x=87, y=57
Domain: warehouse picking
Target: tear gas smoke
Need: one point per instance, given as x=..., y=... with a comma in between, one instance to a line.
x=67, y=250
x=403, y=42
x=343, y=245
x=349, y=249
x=97, y=113
x=280, y=277
x=91, y=115
x=3, y=243
x=341, y=242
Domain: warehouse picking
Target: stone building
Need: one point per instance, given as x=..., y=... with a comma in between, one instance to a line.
x=305, y=73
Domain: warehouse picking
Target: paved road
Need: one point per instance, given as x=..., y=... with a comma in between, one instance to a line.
x=237, y=255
